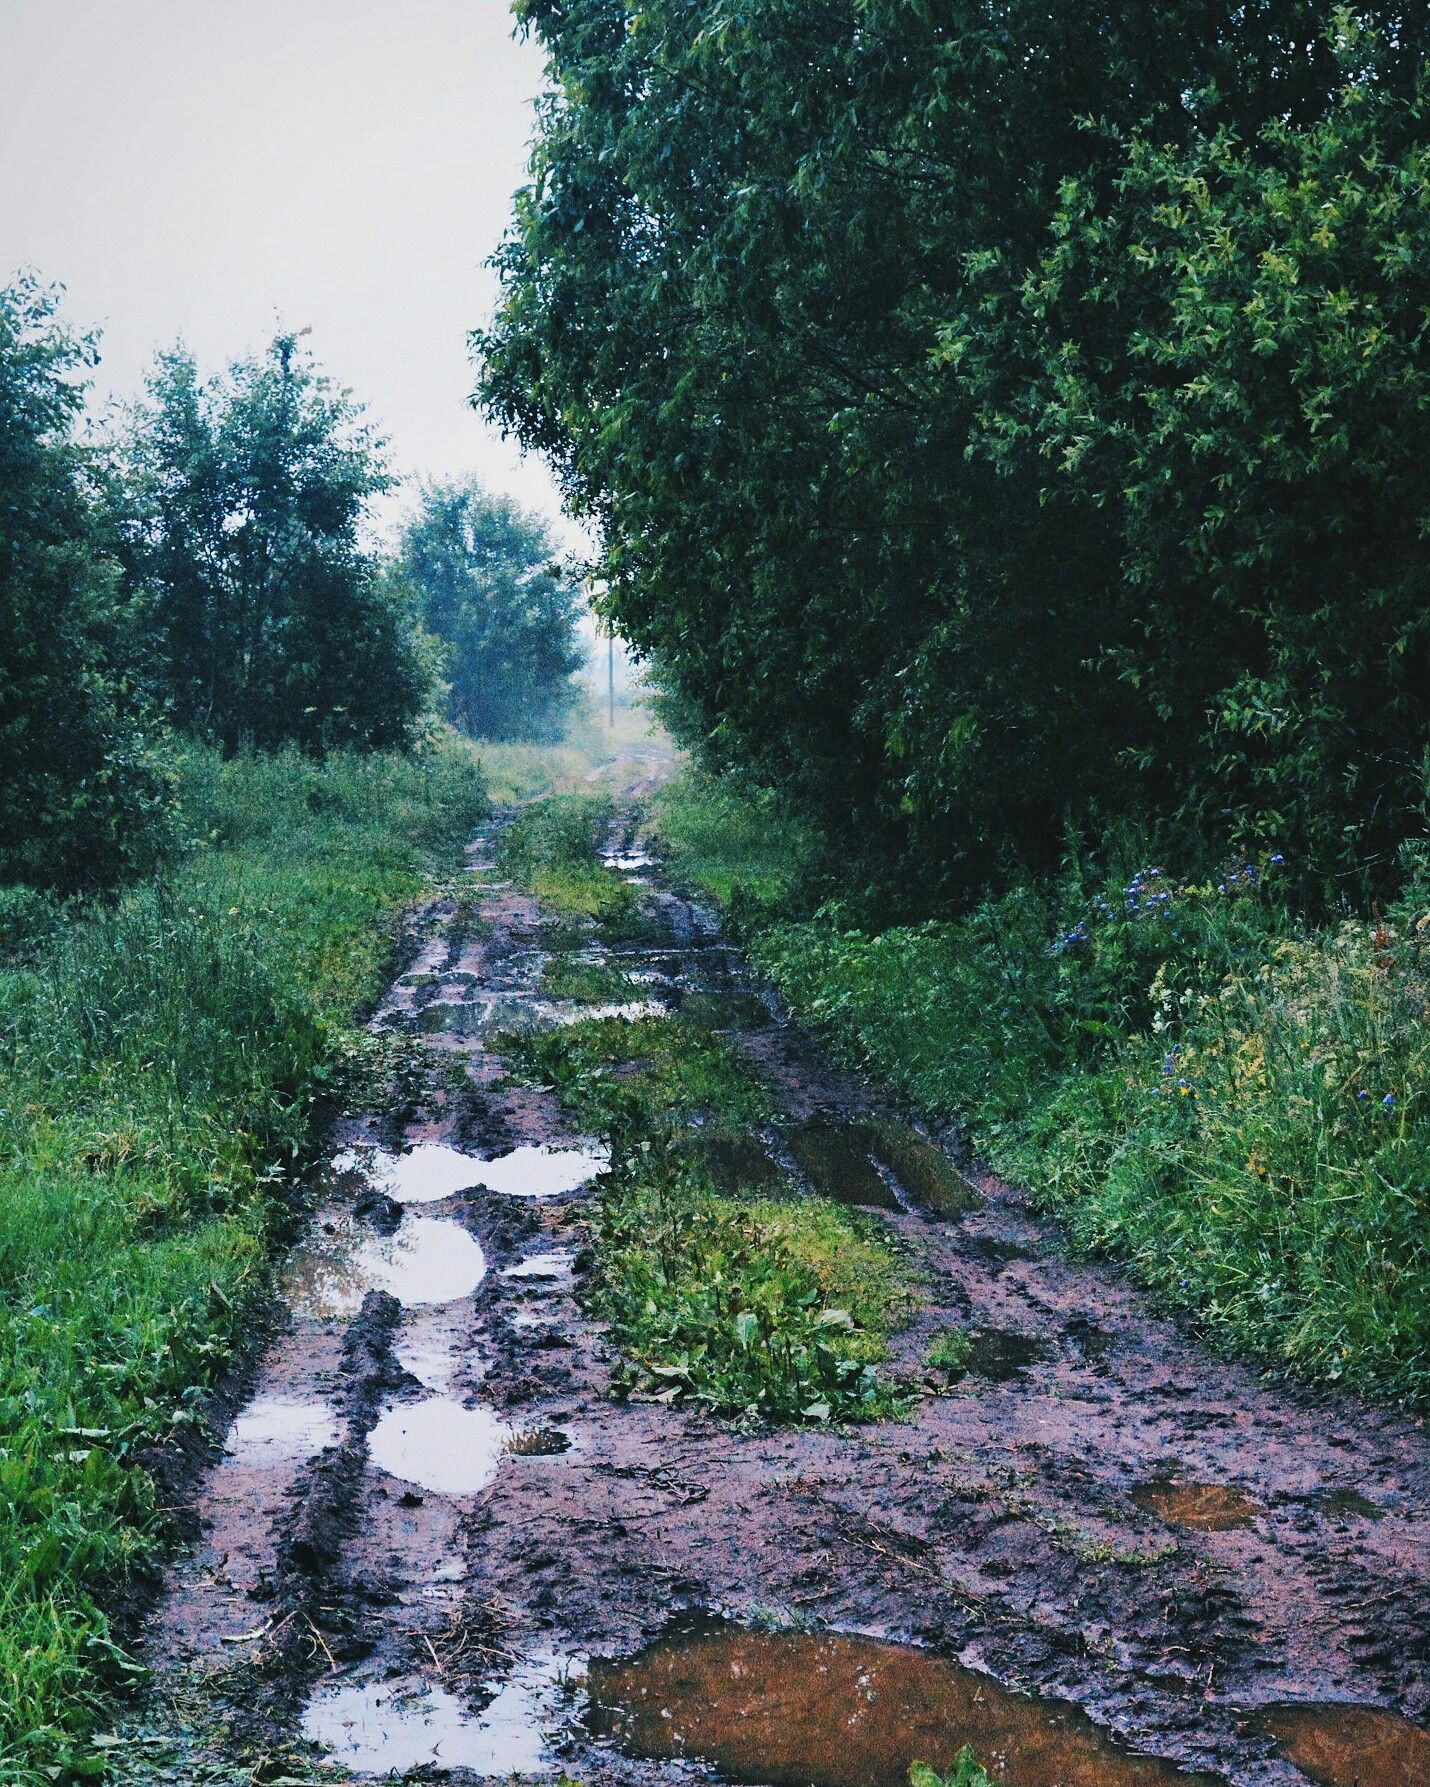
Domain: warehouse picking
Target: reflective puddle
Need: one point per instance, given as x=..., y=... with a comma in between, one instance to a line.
x=922, y=1168
x=556, y=1264
x=474, y=1017
x=419, y=1175
x=439, y=1444
x=1201, y=1507
x=735, y=1159
x=836, y=1160
x=1000, y=1354
x=726, y=1011
x=1349, y=1746
x=426, y=1259
x=541, y=1172
x=381, y=1728
x=795, y=1710
x=278, y=1429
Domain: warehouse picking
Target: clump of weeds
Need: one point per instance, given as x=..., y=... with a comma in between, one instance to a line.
x=949, y=1352
x=755, y=1305
x=774, y=1309
x=550, y=849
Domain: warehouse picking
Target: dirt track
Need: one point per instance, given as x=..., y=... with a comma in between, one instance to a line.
x=434, y=1540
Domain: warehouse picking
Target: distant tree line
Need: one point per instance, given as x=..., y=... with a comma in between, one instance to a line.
x=1001, y=421
x=203, y=570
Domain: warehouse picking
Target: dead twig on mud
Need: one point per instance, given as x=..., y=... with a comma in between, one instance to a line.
x=332, y=1660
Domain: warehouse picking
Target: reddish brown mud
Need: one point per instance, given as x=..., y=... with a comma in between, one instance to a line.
x=1099, y=1554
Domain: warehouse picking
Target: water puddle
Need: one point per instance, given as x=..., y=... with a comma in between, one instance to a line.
x=1201, y=1507
x=1091, y=1343
x=736, y=1161
x=423, y=1174
x=835, y=1158
x=538, y=1171
x=726, y=1011
x=922, y=1168
x=383, y=1728
x=1344, y=1501
x=517, y=1014
x=439, y=1444
x=792, y=1709
x=540, y=1442
x=553, y=1265
x=1000, y=1354
x=1339, y=1745
x=425, y=1260
x=628, y=862
x=280, y=1429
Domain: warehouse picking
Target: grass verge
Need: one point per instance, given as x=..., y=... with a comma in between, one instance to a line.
x=161, y=1062
x=1186, y=1074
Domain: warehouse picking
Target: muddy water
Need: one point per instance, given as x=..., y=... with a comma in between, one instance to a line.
x=1200, y=1507
x=835, y=1157
x=1338, y=1745
x=426, y=1259
x=796, y=1710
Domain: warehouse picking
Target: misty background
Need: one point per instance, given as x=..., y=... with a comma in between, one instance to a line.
x=210, y=171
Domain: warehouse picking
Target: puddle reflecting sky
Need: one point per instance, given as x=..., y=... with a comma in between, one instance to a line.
x=556, y=1264
x=380, y=1728
x=440, y=1445
x=795, y=1710
x=536, y=1171
x=279, y=1429
x=426, y=1259
x=419, y=1175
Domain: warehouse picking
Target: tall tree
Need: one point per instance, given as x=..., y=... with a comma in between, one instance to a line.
x=492, y=590
x=769, y=308
x=272, y=622
x=82, y=799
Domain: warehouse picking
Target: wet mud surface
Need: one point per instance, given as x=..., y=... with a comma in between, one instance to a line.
x=433, y=1542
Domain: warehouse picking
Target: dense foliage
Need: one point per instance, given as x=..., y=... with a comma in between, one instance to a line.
x=491, y=590
x=992, y=420
x=81, y=798
x=268, y=619
x=1230, y=1099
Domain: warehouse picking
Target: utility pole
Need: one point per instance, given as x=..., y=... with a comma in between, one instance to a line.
x=611, y=678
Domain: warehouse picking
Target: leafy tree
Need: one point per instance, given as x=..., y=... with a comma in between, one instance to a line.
x=784, y=305
x=82, y=799
x=271, y=622
x=491, y=590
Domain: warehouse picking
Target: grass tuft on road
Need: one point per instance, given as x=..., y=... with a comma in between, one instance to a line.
x=550, y=849
x=161, y=1062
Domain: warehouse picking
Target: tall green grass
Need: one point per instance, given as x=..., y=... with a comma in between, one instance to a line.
x=160, y=1064
x=1188, y=1075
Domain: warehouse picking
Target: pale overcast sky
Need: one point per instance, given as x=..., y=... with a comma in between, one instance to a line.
x=211, y=168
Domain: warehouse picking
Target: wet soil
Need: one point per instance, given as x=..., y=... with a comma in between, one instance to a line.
x=435, y=1542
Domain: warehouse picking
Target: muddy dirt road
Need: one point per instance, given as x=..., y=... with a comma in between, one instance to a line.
x=434, y=1543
